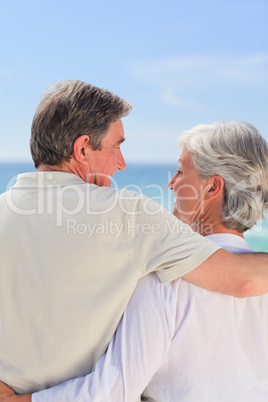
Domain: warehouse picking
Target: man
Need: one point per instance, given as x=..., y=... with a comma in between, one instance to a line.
x=72, y=249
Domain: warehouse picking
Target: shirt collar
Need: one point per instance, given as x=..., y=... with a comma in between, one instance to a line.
x=46, y=179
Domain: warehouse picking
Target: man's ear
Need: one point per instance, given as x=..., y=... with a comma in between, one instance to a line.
x=79, y=148
x=215, y=187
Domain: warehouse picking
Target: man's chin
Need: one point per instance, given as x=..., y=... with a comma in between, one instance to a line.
x=102, y=181
x=105, y=183
x=108, y=183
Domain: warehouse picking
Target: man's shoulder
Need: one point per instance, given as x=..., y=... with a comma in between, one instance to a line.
x=131, y=201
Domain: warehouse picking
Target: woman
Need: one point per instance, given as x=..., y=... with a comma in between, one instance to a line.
x=179, y=342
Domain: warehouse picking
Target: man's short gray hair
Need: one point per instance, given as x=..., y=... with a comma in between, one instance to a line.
x=67, y=110
x=238, y=153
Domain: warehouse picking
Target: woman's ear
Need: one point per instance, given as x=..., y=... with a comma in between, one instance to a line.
x=79, y=148
x=215, y=187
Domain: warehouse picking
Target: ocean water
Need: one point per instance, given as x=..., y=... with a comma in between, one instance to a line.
x=150, y=180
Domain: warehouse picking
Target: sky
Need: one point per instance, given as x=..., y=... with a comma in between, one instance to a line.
x=180, y=63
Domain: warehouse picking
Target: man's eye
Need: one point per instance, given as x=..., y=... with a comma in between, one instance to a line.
x=179, y=171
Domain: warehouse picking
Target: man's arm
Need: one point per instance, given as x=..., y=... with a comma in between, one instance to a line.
x=134, y=354
x=239, y=275
x=176, y=251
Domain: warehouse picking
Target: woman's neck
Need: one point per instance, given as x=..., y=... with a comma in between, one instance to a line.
x=222, y=229
x=205, y=228
x=211, y=223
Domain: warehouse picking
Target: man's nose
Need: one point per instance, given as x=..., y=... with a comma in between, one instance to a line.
x=121, y=165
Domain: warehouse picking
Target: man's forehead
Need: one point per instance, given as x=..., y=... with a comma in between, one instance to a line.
x=119, y=129
x=115, y=135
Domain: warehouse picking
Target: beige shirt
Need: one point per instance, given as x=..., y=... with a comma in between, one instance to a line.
x=71, y=254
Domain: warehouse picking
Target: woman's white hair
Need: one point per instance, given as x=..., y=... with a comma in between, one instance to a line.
x=238, y=153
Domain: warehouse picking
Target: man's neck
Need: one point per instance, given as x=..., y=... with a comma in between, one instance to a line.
x=67, y=167
x=54, y=168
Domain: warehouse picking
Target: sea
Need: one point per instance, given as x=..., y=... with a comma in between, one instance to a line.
x=148, y=179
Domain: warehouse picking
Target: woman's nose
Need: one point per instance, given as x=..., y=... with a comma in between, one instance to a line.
x=171, y=183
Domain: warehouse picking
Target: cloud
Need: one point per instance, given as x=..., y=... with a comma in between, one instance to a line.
x=172, y=99
x=173, y=76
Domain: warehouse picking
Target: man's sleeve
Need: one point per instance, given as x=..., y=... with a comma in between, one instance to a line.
x=160, y=242
x=134, y=354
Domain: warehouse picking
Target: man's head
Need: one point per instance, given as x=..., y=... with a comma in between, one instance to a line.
x=68, y=110
x=235, y=156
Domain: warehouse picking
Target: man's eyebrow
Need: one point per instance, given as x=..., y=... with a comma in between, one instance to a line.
x=120, y=141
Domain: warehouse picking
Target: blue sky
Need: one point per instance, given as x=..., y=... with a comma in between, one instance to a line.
x=179, y=62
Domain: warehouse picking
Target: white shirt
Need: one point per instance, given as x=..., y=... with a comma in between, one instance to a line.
x=71, y=254
x=187, y=343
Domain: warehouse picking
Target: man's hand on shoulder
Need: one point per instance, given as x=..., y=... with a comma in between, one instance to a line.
x=8, y=395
